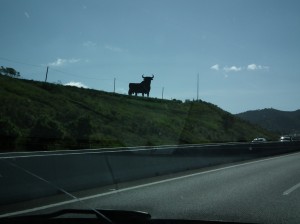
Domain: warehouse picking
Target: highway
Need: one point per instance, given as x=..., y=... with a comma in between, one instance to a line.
x=259, y=191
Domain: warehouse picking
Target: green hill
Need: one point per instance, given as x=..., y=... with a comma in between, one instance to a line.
x=43, y=116
x=282, y=122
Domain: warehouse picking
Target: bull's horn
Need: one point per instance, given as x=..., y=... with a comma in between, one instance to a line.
x=152, y=76
x=143, y=76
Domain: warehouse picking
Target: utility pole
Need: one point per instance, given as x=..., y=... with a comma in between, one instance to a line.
x=198, y=87
x=114, y=85
x=162, y=93
x=47, y=74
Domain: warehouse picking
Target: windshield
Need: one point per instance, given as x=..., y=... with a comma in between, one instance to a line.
x=172, y=107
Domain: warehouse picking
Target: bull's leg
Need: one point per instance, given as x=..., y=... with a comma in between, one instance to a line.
x=135, y=93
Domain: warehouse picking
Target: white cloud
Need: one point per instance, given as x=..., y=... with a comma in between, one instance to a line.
x=89, y=44
x=73, y=60
x=61, y=62
x=76, y=84
x=58, y=62
x=250, y=67
x=266, y=67
x=27, y=15
x=253, y=67
x=215, y=67
x=232, y=69
x=113, y=48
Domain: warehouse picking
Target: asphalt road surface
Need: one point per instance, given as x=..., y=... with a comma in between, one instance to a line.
x=260, y=191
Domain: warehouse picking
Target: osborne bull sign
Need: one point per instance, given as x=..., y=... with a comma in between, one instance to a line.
x=143, y=87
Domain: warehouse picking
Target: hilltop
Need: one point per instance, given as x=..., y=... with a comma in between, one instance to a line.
x=282, y=122
x=44, y=116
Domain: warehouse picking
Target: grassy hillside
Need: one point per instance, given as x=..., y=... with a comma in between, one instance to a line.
x=42, y=116
x=282, y=122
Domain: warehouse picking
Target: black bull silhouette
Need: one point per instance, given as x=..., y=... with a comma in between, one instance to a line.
x=143, y=87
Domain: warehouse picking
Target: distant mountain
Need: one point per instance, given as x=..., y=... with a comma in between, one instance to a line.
x=283, y=122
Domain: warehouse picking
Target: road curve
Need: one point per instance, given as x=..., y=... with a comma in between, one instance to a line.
x=260, y=191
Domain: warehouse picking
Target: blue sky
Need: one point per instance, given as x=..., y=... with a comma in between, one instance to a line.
x=247, y=53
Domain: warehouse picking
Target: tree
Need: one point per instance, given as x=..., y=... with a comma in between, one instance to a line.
x=9, y=72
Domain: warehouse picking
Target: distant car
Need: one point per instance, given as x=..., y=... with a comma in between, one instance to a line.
x=285, y=139
x=259, y=140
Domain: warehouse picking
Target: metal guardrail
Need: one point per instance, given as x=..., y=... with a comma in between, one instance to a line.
x=27, y=176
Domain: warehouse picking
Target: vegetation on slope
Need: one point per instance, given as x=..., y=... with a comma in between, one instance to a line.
x=43, y=116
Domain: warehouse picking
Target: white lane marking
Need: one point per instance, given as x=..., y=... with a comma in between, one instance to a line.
x=290, y=190
x=139, y=186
